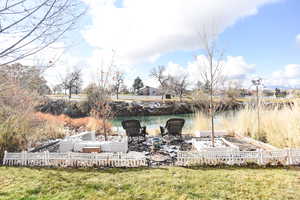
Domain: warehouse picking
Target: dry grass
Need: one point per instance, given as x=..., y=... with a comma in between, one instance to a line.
x=203, y=122
x=154, y=132
x=18, y=127
x=85, y=123
x=279, y=127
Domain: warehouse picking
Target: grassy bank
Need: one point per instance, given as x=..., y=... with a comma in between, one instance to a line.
x=164, y=183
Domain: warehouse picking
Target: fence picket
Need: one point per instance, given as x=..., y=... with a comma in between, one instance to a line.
x=71, y=159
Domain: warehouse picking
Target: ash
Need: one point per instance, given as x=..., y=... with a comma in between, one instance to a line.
x=160, y=150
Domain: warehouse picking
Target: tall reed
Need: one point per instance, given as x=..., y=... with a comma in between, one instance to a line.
x=278, y=126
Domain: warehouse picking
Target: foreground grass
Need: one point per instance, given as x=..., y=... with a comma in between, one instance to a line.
x=161, y=183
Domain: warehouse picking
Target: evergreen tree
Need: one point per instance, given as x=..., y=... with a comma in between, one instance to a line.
x=138, y=84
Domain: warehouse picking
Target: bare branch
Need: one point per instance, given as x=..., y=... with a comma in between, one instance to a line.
x=28, y=27
x=159, y=74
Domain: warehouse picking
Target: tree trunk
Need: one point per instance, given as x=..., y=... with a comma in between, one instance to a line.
x=104, y=129
x=180, y=96
x=211, y=104
x=70, y=93
x=257, y=104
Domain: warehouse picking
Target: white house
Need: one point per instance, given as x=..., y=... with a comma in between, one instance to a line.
x=150, y=91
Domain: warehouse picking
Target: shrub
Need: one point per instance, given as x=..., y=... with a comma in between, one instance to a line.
x=19, y=127
x=77, y=124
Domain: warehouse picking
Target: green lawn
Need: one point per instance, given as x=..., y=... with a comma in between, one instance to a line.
x=158, y=183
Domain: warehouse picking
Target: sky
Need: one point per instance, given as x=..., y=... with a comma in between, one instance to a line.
x=259, y=38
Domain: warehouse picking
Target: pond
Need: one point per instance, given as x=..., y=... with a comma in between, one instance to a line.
x=153, y=122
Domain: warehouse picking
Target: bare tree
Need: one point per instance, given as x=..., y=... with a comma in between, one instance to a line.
x=233, y=89
x=27, y=77
x=29, y=26
x=72, y=82
x=78, y=82
x=124, y=89
x=57, y=89
x=99, y=98
x=198, y=85
x=64, y=85
x=118, y=81
x=99, y=95
x=211, y=71
x=159, y=74
x=179, y=85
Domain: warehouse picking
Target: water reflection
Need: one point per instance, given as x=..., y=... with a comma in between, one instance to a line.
x=153, y=122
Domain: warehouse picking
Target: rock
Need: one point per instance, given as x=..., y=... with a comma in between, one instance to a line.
x=134, y=108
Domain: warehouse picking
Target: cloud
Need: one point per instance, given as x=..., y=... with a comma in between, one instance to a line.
x=105, y=61
x=287, y=77
x=298, y=39
x=235, y=68
x=67, y=63
x=142, y=30
x=290, y=71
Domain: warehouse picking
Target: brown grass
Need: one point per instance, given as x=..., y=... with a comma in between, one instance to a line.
x=279, y=127
x=85, y=123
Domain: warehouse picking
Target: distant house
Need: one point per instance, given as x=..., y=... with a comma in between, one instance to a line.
x=149, y=91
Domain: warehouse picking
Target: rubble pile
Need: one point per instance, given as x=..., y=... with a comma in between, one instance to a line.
x=51, y=146
x=160, y=150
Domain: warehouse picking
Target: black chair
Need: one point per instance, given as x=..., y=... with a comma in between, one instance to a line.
x=173, y=127
x=134, y=130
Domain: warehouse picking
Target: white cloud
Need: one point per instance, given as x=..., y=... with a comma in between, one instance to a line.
x=298, y=39
x=55, y=74
x=290, y=71
x=289, y=76
x=174, y=69
x=235, y=68
x=91, y=67
x=143, y=30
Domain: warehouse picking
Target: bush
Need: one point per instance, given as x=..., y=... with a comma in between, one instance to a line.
x=76, y=124
x=19, y=126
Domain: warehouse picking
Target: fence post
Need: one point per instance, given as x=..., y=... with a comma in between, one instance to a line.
x=261, y=159
x=4, y=158
x=45, y=158
x=290, y=156
x=69, y=162
x=25, y=158
x=22, y=158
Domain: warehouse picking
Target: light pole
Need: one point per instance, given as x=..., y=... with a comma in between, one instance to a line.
x=257, y=83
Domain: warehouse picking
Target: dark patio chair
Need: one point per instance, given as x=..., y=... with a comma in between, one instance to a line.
x=173, y=127
x=134, y=130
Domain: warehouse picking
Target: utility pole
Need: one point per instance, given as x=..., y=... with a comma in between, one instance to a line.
x=257, y=83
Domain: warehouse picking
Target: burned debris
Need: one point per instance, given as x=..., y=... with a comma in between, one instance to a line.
x=162, y=150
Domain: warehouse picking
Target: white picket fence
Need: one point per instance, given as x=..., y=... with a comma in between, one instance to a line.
x=275, y=157
x=72, y=159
